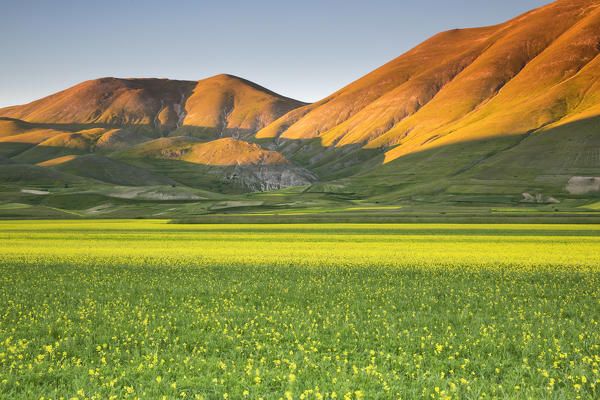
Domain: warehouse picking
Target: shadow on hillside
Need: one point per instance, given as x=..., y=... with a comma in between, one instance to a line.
x=326, y=162
x=507, y=164
x=149, y=130
x=538, y=161
x=114, y=168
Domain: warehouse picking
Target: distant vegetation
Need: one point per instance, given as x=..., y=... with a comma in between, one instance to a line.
x=144, y=309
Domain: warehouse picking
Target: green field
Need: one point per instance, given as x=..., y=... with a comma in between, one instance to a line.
x=146, y=309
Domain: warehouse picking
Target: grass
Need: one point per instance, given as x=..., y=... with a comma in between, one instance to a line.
x=291, y=205
x=594, y=206
x=145, y=309
x=13, y=206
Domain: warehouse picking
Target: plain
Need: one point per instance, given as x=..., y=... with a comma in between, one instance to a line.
x=146, y=309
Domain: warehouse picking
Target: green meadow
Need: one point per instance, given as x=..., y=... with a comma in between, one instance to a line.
x=112, y=309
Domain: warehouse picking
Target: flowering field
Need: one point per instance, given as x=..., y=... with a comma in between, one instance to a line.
x=146, y=309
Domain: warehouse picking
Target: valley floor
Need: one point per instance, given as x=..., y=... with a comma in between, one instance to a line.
x=103, y=309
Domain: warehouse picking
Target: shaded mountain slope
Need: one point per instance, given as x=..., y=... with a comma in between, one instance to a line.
x=217, y=163
x=104, y=169
x=488, y=171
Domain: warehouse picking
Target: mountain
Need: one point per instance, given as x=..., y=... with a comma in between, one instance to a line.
x=156, y=120
x=462, y=101
x=467, y=81
x=223, y=105
x=496, y=115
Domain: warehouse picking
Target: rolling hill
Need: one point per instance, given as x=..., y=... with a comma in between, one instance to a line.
x=506, y=114
x=122, y=121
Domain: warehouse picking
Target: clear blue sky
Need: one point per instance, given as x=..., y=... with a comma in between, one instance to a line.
x=303, y=49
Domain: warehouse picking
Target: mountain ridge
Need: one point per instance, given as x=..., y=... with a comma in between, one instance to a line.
x=395, y=124
x=161, y=104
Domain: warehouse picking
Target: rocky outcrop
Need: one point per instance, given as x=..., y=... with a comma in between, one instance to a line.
x=260, y=178
x=583, y=185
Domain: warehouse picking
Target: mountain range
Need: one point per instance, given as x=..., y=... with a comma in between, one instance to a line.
x=503, y=114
